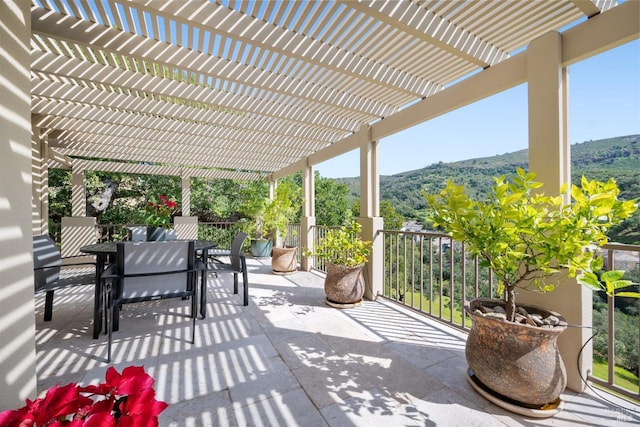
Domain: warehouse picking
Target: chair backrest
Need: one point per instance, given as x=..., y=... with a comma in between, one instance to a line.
x=137, y=234
x=140, y=258
x=236, y=248
x=46, y=261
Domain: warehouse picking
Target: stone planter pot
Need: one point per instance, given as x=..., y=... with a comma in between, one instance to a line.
x=517, y=361
x=343, y=285
x=284, y=260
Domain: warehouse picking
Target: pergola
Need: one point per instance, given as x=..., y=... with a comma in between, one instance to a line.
x=259, y=90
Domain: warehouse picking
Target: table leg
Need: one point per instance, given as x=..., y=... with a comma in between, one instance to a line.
x=203, y=284
x=98, y=300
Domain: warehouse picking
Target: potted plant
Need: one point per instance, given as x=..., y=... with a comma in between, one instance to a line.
x=158, y=217
x=530, y=241
x=253, y=209
x=345, y=254
x=278, y=214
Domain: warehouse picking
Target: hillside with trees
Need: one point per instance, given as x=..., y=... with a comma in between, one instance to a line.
x=618, y=158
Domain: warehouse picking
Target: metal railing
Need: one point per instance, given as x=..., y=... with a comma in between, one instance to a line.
x=431, y=273
x=113, y=232
x=319, y=233
x=627, y=258
x=221, y=232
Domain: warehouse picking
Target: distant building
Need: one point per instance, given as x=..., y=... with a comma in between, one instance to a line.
x=414, y=226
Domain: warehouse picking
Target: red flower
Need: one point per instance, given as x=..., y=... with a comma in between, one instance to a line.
x=128, y=400
x=159, y=214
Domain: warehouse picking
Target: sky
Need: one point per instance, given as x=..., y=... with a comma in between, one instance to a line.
x=604, y=102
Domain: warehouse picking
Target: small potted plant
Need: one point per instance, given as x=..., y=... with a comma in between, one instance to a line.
x=253, y=223
x=530, y=241
x=158, y=217
x=345, y=254
x=277, y=216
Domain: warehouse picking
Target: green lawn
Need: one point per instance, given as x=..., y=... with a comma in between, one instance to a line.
x=413, y=299
x=622, y=378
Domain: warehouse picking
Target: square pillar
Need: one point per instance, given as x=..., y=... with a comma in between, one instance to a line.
x=40, y=184
x=308, y=219
x=77, y=232
x=186, y=227
x=186, y=196
x=550, y=158
x=78, y=192
x=374, y=269
x=307, y=235
x=17, y=307
x=370, y=219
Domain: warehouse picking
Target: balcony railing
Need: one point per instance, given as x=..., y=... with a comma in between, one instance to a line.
x=622, y=326
x=434, y=275
x=319, y=233
x=221, y=232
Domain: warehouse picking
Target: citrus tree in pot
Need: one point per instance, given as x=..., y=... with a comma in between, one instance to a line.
x=530, y=241
x=253, y=209
x=278, y=214
x=345, y=254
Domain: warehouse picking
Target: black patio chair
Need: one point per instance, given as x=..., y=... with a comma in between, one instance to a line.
x=237, y=263
x=147, y=271
x=51, y=271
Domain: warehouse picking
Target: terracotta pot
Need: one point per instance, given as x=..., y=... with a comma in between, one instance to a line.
x=344, y=285
x=284, y=260
x=518, y=361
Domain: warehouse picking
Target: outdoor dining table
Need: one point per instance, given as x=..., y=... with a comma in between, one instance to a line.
x=106, y=251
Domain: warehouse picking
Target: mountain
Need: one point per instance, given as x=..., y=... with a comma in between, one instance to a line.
x=617, y=157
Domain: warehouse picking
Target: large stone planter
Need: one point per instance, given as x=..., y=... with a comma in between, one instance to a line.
x=284, y=260
x=517, y=361
x=343, y=285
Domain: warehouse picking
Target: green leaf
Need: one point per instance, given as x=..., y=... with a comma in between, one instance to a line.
x=628, y=294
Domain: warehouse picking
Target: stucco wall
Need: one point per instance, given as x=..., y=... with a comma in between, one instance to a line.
x=17, y=317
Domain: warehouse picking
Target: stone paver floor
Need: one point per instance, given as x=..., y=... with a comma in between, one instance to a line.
x=290, y=360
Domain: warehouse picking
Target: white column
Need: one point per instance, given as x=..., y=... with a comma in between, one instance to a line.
x=370, y=219
x=17, y=308
x=186, y=196
x=78, y=192
x=272, y=188
x=75, y=233
x=549, y=157
x=308, y=219
x=40, y=186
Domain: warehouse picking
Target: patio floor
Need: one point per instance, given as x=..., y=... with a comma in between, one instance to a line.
x=289, y=360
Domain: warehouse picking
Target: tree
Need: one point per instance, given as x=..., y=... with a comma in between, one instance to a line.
x=392, y=219
x=331, y=202
x=215, y=199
